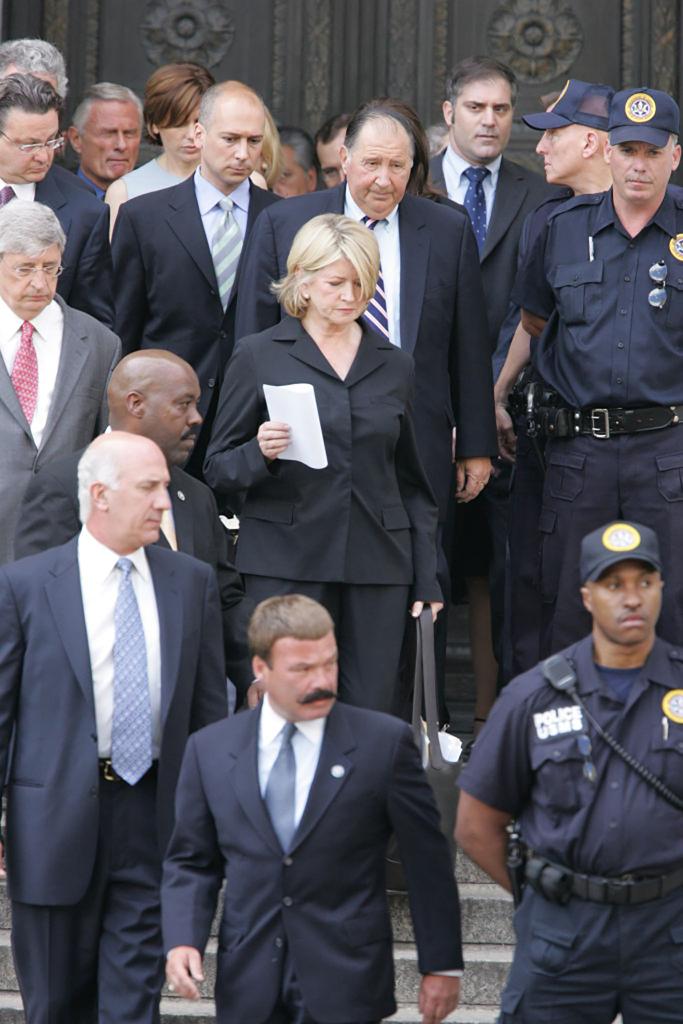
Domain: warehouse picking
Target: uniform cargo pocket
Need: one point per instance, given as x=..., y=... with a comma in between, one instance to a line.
x=565, y=475
x=670, y=476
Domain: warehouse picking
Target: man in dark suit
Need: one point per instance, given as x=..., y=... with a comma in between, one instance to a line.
x=478, y=109
x=167, y=246
x=498, y=194
x=110, y=655
x=433, y=289
x=295, y=803
x=155, y=394
x=29, y=117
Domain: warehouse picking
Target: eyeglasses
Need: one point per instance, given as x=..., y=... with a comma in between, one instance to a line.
x=32, y=147
x=586, y=749
x=657, y=296
x=24, y=271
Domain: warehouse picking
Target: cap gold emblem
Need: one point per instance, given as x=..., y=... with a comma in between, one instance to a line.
x=620, y=537
x=640, y=107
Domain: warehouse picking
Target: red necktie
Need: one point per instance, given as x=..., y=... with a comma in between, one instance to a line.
x=25, y=372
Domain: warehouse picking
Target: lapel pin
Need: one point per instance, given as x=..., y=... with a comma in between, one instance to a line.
x=337, y=771
x=181, y=495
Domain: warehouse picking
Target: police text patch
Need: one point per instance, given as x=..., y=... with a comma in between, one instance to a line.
x=558, y=722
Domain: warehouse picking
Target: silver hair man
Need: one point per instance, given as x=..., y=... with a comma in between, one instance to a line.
x=28, y=228
x=34, y=57
x=97, y=465
x=105, y=92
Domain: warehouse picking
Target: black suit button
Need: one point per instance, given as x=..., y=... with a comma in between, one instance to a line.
x=278, y=942
x=287, y=901
x=223, y=334
x=212, y=382
x=288, y=862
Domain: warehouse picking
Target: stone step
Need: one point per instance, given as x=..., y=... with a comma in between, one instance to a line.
x=183, y=1011
x=486, y=970
x=486, y=915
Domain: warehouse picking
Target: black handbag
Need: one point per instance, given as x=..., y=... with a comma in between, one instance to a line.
x=442, y=774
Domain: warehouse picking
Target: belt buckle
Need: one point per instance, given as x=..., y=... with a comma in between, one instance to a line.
x=618, y=890
x=108, y=773
x=600, y=423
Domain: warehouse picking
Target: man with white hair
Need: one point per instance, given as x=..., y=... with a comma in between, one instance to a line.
x=110, y=655
x=34, y=57
x=54, y=361
x=105, y=131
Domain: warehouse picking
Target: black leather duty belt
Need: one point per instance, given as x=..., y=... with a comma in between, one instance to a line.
x=605, y=423
x=558, y=884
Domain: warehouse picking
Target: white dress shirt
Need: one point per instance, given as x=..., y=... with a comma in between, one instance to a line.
x=454, y=168
x=47, y=341
x=387, y=235
x=25, y=191
x=100, y=581
x=208, y=198
x=306, y=744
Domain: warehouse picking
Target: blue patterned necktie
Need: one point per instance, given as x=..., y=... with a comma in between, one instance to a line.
x=475, y=202
x=375, y=316
x=226, y=246
x=281, y=789
x=131, y=730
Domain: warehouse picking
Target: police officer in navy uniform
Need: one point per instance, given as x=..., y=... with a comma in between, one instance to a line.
x=600, y=925
x=572, y=146
x=604, y=283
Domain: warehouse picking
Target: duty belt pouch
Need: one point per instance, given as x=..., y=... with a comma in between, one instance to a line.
x=550, y=880
x=442, y=774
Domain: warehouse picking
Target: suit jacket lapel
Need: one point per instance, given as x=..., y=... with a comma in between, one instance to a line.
x=186, y=223
x=72, y=359
x=510, y=193
x=414, y=246
x=372, y=353
x=8, y=397
x=436, y=171
x=182, y=514
x=332, y=773
x=63, y=591
x=304, y=348
x=170, y=611
x=243, y=769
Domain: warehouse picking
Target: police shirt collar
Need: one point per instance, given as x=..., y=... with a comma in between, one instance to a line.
x=664, y=218
x=657, y=668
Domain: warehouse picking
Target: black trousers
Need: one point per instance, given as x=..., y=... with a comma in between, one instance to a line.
x=100, y=961
x=290, y=1008
x=369, y=624
x=590, y=482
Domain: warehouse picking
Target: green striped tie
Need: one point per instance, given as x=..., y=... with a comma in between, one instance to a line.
x=226, y=247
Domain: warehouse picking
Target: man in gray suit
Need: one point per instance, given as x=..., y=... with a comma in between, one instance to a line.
x=54, y=361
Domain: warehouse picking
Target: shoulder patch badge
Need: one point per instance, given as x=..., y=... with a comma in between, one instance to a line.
x=621, y=537
x=640, y=107
x=672, y=706
x=676, y=247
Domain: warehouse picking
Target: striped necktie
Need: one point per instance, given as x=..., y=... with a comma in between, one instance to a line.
x=226, y=246
x=375, y=316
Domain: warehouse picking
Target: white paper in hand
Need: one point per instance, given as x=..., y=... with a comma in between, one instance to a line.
x=295, y=404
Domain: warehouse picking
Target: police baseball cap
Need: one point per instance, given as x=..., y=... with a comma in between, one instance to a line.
x=643, y=115
x=578, y=103
x=614, y=543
